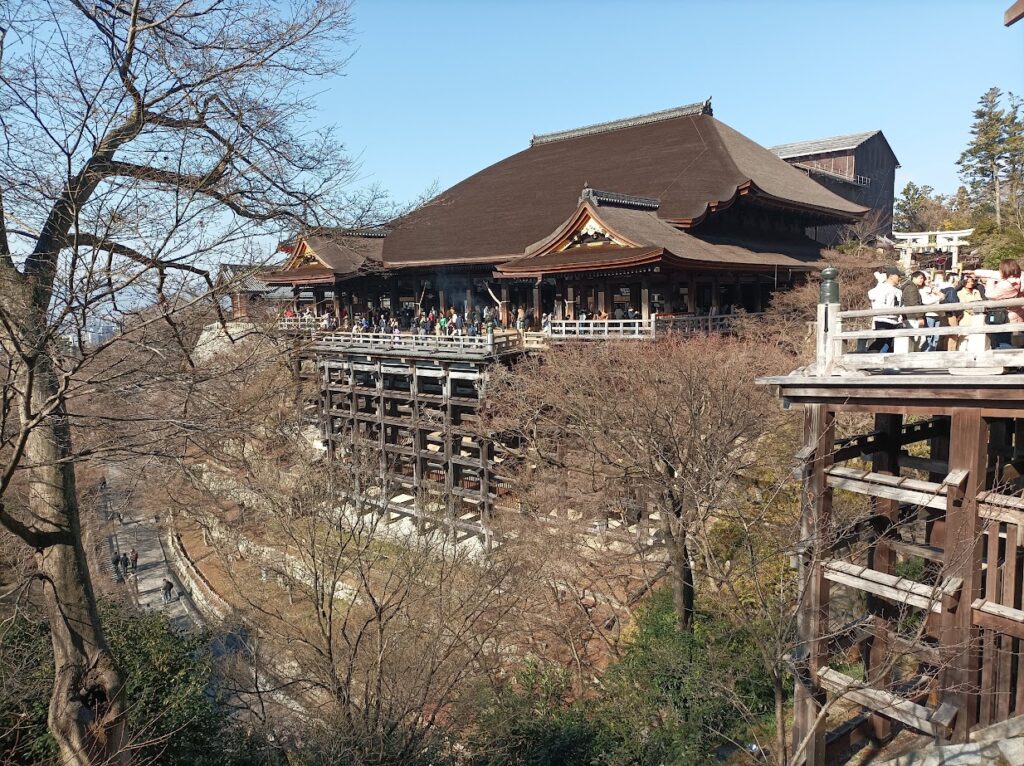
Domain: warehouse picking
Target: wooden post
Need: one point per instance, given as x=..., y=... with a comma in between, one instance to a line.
x=570, y=297
x=503, y=309
x=645, y=299
x=442, y=306
x=967, y=462
x=812, y=615
x=692, y=297
x=536, y=303
x=882, y=558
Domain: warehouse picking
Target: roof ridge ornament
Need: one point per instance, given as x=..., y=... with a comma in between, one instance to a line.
x=700, y=107
x=615, y=199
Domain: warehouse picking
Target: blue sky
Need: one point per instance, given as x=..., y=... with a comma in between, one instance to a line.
x=439, y=89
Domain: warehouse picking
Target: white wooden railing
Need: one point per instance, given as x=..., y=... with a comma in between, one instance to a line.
x=840, y=348
x=601, y=328
x=504, y=341
x=456, y=345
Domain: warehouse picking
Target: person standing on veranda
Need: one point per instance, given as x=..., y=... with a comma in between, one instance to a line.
x=1001, y=285
x=886, y=295
x=969, y=293
x=911, y=295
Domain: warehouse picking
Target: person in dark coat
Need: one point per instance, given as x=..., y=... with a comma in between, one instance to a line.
x=115, y=561
x=125, y=563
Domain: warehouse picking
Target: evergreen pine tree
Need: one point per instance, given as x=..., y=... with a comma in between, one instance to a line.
x=1015, y=160
x=982, y=162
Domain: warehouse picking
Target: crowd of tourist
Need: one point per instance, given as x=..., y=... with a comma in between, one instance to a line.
x=447, y=323
x=895, y=290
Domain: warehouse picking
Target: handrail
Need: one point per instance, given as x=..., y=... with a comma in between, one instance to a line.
x=461, y=344
x=935, y=308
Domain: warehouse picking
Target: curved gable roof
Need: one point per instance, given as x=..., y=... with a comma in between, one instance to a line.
x=687, y=160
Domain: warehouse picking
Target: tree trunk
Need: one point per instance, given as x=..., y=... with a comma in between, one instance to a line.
x=780, y=718
x=85, y=706
x=995, y=179
x=676, y=538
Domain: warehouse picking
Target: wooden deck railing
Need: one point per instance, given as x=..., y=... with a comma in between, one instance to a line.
x=845, y=338
x=448, y=345
x=503, y=341
x=601, y=328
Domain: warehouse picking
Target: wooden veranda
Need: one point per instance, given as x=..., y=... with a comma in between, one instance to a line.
x=934, y=559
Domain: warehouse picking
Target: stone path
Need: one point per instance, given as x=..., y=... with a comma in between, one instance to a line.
x=138, y=530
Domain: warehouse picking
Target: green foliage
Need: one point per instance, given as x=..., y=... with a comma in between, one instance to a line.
x=532, y=722
x=981, y=162
x=172, y=711
x=998, y=246
x=910, y=209
x=26, y=677
x=672, y=699
x=675, y=698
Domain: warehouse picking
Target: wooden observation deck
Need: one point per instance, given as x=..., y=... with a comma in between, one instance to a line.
x=919, y=585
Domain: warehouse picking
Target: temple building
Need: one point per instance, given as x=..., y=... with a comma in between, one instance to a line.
x=670, y=213
x=860, y=167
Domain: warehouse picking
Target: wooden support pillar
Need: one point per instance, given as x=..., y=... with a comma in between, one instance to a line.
x=716, y=295
x=446, y=441
x=692, y=298
x=418, y=446
x=559, y=299
x=442, y=306
x=395, y=297
x=469, y=302
x=645, y=298
x=570, y=298
x=967, y=463
x=503, y=309
x=536, y=303
x=813, y=612
x=877, y=649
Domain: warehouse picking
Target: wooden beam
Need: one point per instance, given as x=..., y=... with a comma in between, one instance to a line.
x=1014, y=13
x=901, y=490
x=881, y=702
x=890, y=587
x=1002, y=619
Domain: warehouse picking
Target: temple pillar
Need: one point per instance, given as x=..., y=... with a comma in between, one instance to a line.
x=716, y=295
x=536, y=302
x=645, y=299
x=570, y=305
x=469, y=301
x=691, y=299
x=442, y=306
x=503, y=308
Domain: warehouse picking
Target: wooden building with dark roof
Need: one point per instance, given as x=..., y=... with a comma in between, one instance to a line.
x=726, y=217
x=859, y=167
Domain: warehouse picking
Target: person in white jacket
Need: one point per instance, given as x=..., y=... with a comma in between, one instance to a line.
x=886, y=294
x=931, y=295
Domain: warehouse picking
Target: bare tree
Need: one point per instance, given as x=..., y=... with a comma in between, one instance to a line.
x=670, y=426
x=141, y=143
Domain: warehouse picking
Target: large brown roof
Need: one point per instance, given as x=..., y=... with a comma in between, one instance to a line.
x=648, y=238
x=685, y=158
